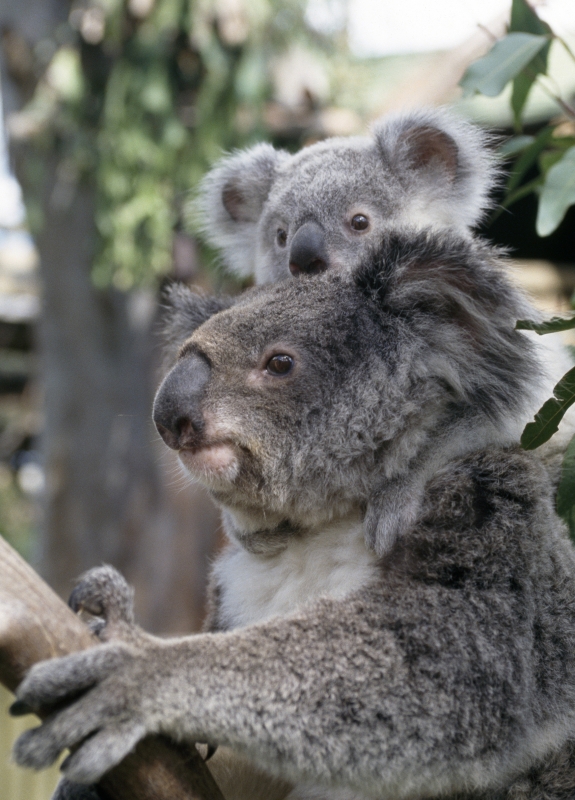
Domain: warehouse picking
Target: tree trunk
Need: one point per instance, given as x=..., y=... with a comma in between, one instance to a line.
x=35, y=625
x=108, y=497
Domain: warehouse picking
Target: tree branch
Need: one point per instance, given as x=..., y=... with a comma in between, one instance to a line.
x=34, y=625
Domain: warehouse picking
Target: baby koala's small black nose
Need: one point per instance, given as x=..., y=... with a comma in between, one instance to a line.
x=308, y=252
x=177, y=406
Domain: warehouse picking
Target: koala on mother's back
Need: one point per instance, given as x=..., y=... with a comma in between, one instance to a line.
x=271, y=213
x=393, y=617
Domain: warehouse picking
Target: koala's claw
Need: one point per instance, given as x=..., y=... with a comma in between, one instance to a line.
x=106, y=596
x=20, y=709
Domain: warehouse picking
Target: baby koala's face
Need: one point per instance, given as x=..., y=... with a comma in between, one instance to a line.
x=270, y=401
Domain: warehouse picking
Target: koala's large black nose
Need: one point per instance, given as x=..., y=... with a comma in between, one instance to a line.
x=308, y=252
x=177, y=406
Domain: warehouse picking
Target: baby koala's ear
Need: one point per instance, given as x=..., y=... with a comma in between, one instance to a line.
x=443, y=162
x=230, y=202
x=184, y=311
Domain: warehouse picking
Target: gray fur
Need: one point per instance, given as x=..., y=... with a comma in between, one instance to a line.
x=425, y=167
x=186, y=315
x=450, y=671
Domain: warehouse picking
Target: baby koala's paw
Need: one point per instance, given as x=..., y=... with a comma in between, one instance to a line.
x=105, y=601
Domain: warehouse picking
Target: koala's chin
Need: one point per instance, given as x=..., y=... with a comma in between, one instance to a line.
x=216, y=466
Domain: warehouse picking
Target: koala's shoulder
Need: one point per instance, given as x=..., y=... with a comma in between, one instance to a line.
x=488, y=520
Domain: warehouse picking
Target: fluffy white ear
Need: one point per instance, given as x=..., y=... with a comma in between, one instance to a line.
x=443, y=162
x=230, y=203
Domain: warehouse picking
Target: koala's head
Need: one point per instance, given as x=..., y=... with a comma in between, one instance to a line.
x=305, y=397
x=273, y=214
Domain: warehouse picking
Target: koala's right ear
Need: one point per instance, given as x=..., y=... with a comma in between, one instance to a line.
x=184, y=311
x=443, y=162
x=230, y=202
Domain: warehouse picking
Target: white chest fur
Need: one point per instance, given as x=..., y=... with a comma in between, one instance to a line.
x=333, y=562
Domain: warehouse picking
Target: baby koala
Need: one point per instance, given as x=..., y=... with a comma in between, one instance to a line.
x=393, y=617
x=272, y=214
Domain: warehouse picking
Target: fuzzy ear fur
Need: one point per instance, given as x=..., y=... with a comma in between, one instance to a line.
x=443, y=162
x=455, y=302
x=453, y=290
x=230, y=202
x=184, y=311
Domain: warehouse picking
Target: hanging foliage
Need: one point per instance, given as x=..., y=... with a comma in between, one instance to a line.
x=140, y=97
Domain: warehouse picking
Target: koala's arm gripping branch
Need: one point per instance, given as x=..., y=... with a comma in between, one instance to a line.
x=35, y=625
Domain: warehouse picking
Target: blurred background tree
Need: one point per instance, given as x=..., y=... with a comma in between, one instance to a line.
x=123, y=106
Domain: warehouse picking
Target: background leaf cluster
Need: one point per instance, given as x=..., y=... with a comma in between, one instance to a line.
x=521, y=59
x=140, y=97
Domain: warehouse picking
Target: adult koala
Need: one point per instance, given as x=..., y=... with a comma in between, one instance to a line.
x=271, y=213
x=343, y=661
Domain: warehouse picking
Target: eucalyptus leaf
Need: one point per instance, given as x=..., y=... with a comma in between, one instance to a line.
x=548, y=159
x=515, y=145
x=557, y=195
x=566, y=488
x=550, y=414
x=508, y=56
x=553, y=325
x=528, y=157
x=525, y=20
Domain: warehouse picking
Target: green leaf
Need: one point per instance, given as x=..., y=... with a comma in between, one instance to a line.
x=525, y=20
x=557, y=195
x=550, y=414
x=548, y=159
x=566, y=488
x=553, y=325
x=528, y=158
x=503, y=62
x=515, y=145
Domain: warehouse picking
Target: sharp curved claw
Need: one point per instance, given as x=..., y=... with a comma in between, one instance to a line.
x=19, y=709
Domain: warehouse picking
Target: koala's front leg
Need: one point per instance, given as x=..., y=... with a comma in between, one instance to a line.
x=341, y=694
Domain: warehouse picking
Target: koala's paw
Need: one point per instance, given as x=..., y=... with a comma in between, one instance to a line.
x=108, y=601
x=105, y=692
x=75, y=791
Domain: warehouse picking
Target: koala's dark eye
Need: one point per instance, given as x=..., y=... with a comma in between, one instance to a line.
x=281, y=237
x=359, y=222
x=280, y=364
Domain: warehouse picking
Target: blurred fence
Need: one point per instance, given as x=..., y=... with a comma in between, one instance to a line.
x=16, y=783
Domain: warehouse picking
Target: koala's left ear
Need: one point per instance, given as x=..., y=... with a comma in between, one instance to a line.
x=184, y=311
x=442, y=161
x=230, y=202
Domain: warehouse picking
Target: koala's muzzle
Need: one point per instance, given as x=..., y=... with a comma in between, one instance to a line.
x=177, y=406
x=308, y=251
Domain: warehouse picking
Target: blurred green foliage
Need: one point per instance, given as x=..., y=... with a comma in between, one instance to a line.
x=141, y=96
x=521, y=58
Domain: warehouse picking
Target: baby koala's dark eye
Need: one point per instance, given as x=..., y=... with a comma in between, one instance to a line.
x=281, y=237
x=279, y=364
x=359, y=222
